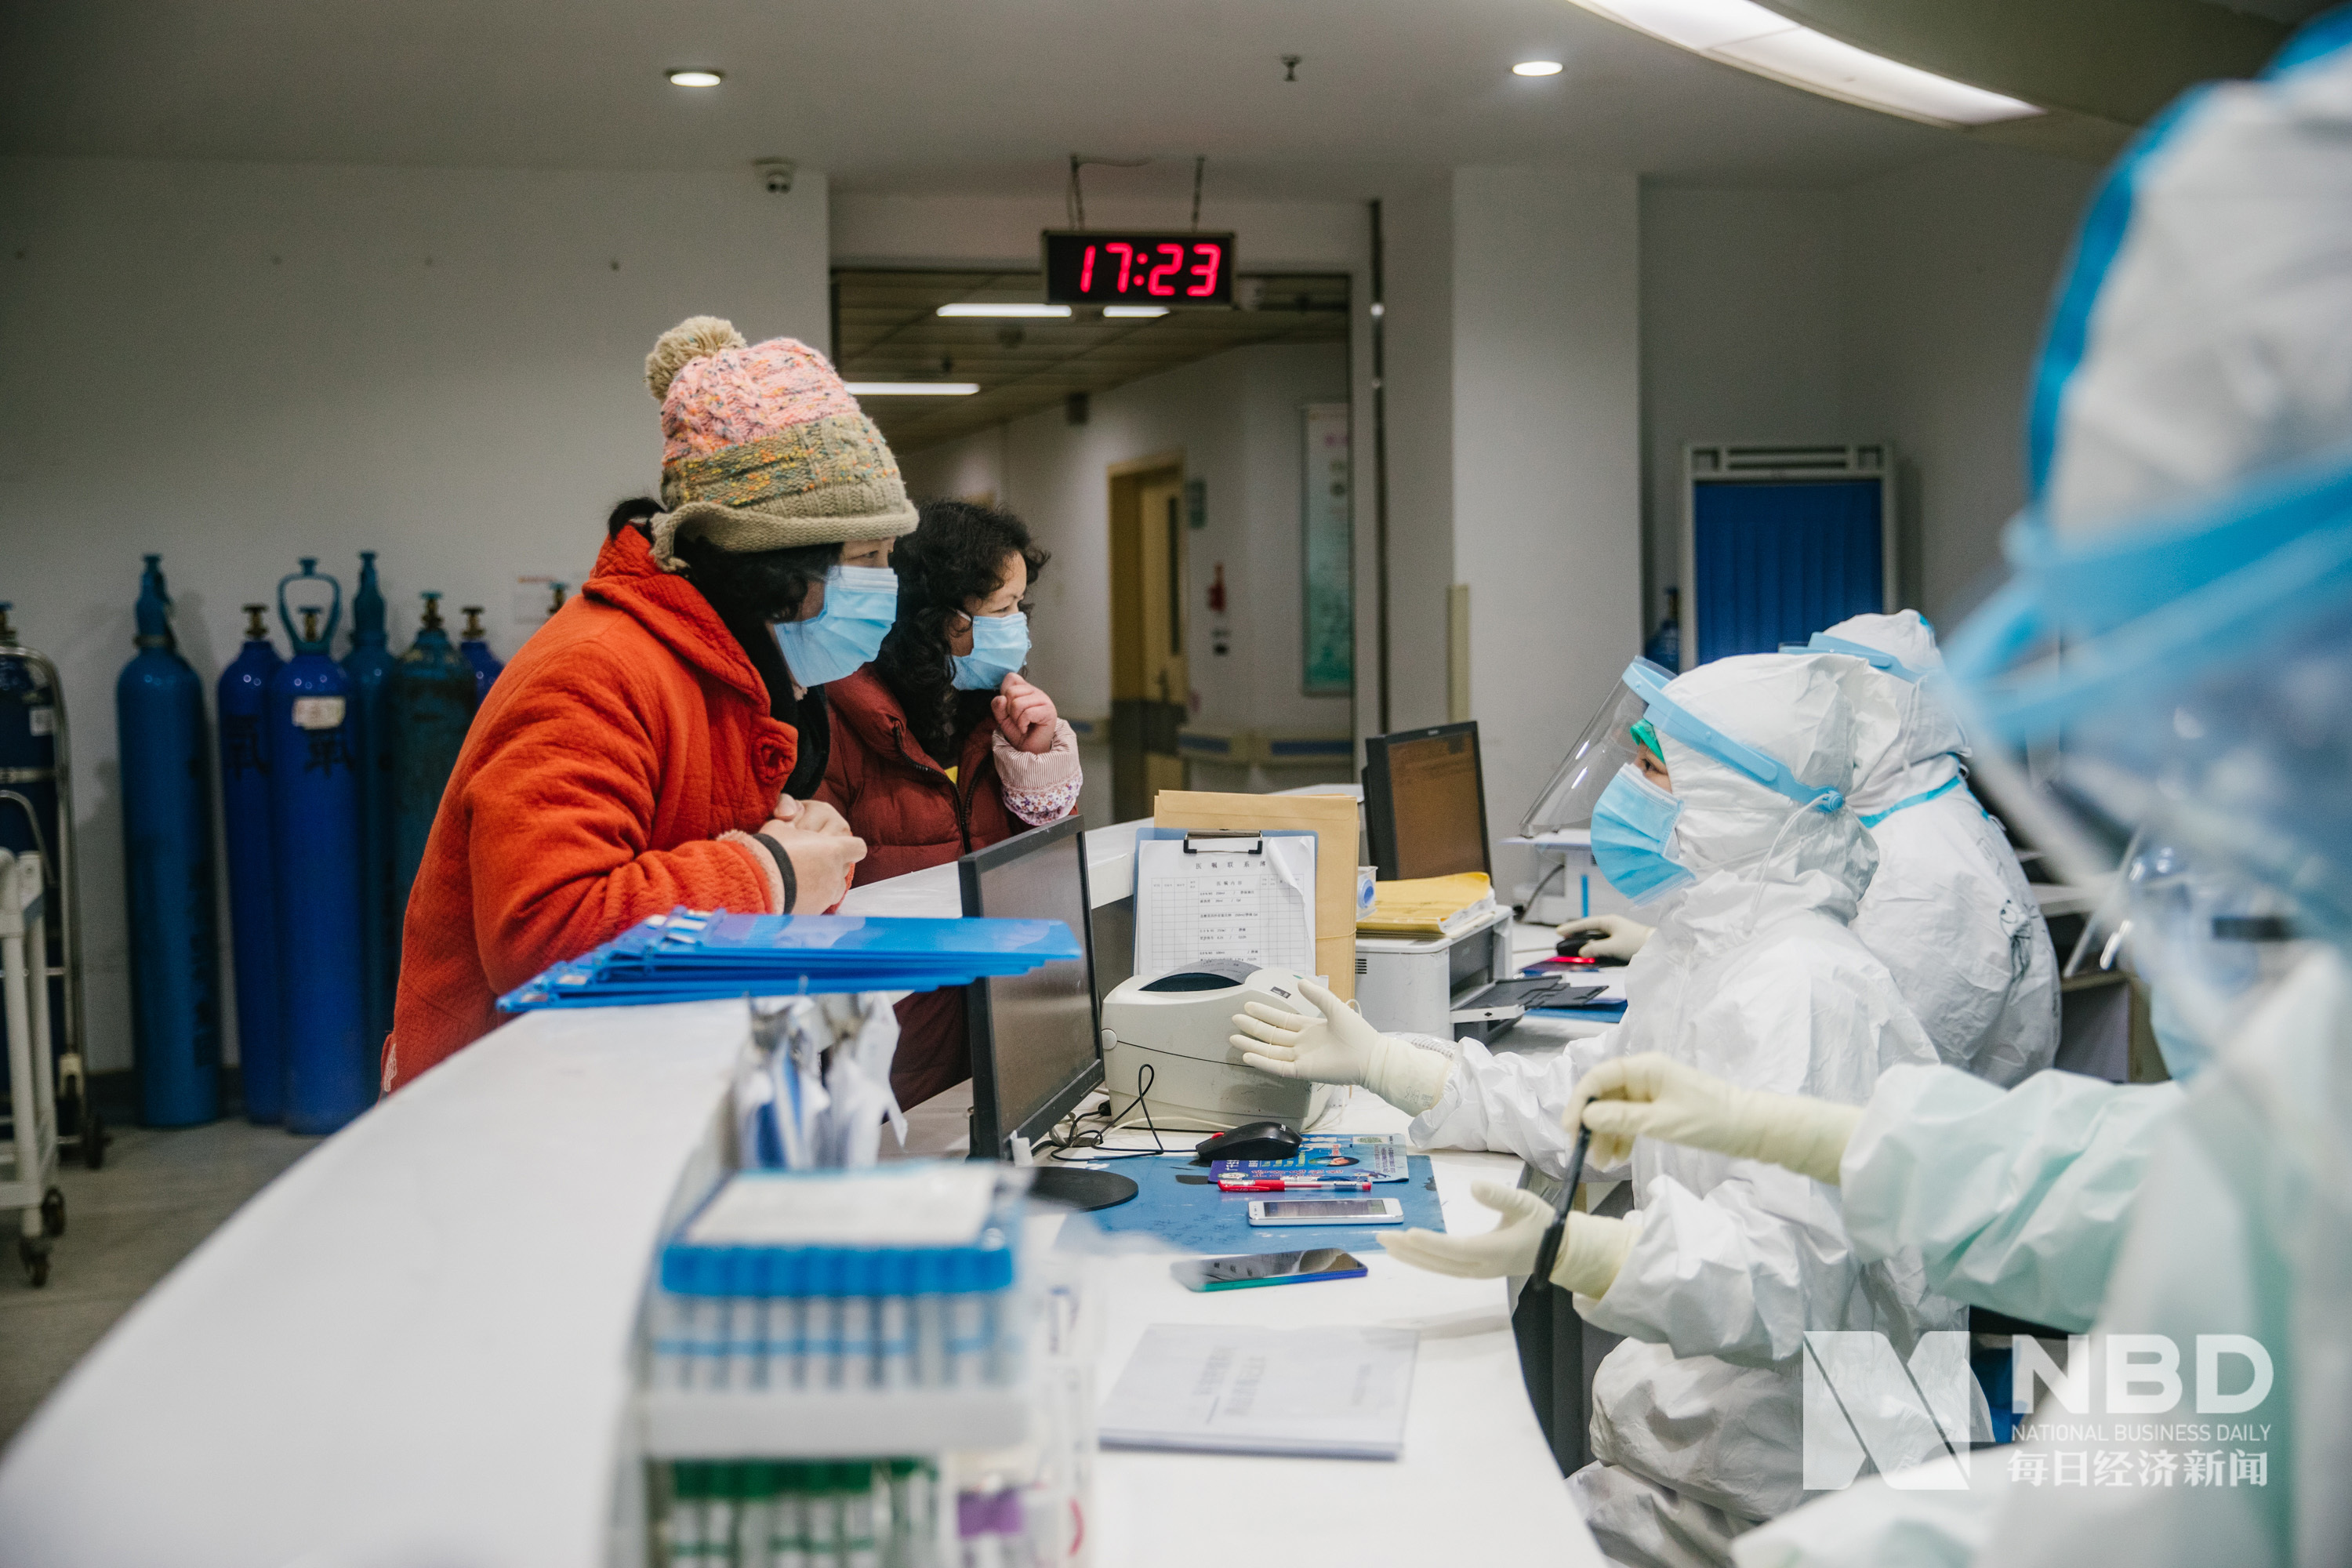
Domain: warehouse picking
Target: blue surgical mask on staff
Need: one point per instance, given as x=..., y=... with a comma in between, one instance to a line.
x=860, y=605
x=1000, y=647
x=1633, y=825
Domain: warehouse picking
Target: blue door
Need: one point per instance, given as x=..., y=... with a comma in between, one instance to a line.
x=1777, y=562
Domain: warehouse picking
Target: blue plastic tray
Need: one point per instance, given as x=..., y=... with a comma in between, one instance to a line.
x=1179, y=1203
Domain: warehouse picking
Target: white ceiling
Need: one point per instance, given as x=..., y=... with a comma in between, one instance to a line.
x=901, y=96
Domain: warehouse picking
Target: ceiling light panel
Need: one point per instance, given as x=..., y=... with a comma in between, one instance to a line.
x=1536, y=67
x=1741, y=33
x=977, y=307
x=696, y=76
x=912, y=388
x=1132, y=312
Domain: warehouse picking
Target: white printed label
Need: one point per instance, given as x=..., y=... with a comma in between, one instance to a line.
x=44, y=721
x=318, y=713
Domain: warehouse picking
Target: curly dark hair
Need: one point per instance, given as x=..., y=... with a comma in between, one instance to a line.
x=752, y=588
x=956, y=555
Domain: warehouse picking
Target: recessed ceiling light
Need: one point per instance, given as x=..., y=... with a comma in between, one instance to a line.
x=695, y=77
x=1536, y=67
x=1741, y=33
x=981, y=308
x=1133, y=312
x=912, y=388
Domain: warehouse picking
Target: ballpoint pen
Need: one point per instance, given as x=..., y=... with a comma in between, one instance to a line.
x=1268, y=1184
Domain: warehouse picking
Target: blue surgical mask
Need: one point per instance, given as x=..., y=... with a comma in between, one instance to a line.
x=1633, y=825
x=860, y=605
x=1000, y=647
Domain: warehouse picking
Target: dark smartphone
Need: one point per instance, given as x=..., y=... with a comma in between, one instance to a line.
x=1266, y=1268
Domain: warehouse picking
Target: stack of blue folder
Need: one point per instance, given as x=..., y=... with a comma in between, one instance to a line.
x=691, y=955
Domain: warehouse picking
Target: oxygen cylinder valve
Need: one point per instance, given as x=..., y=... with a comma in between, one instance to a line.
x=309, y=623
x=7, y=632
x=154, y=612
x=432, y=598
x=256, y=627
x=473, y=627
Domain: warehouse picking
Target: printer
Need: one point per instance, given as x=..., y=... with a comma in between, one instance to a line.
x=1178, y=1025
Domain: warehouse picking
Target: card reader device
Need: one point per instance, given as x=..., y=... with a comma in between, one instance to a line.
x=1166, y=1050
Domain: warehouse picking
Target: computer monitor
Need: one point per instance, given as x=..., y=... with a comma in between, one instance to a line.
x=1425, y=801
x=1036, y=1042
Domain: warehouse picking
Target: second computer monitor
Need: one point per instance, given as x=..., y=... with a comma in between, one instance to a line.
x=1035, y=1052
x=1425, y=801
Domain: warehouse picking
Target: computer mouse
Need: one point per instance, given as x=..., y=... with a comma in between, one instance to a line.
x=1568, y=950
x=1250, y=1141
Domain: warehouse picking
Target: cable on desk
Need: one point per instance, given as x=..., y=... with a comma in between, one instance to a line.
x=1092, y=1138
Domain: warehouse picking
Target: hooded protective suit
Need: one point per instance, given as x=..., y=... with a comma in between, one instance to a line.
x=1949, y=912
x=1753, y=975
x=2192, y=540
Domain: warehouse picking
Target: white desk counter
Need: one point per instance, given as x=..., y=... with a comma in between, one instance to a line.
x=413, y=1347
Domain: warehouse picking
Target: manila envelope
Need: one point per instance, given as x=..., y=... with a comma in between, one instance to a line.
x=1332, y=818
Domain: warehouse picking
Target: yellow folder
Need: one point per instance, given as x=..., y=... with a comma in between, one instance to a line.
x=1426, y=906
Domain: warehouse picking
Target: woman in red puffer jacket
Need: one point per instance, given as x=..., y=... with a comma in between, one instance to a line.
x=939, y=747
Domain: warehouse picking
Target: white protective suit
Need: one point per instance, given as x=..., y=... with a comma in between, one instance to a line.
x=2196, y=390
x=1949, y=912
x=2016, y=1200
x=1753, y=975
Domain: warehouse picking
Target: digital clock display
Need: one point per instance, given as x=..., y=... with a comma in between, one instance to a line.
x=1093, y=267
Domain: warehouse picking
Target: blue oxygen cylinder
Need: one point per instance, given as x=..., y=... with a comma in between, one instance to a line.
x=244, y=700
x=314, y=796
x=477, y=653
x=167, y=855
x=433, y=695
x=370, y=665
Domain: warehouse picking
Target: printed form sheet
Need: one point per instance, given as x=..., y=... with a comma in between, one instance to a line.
x=1256, y=909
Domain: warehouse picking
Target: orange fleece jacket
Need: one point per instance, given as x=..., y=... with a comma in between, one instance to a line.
x=626, y=735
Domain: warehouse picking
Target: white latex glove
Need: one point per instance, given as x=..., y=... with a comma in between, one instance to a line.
x=1653, y=1096
x=1340, y=1046
x=1591, y=1252
x=1617, y=937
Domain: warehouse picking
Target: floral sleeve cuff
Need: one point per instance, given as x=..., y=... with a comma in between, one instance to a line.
x=1041, y=789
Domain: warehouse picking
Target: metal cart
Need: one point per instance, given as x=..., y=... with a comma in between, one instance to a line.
x=32, y=1147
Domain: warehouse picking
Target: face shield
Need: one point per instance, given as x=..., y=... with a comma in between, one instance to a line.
x=2210, y=943
x=2190, y=677
x=1607, y=744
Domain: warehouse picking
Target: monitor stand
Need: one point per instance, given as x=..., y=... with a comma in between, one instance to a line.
x=1076, y=1187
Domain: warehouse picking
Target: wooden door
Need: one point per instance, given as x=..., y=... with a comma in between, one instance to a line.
x=1151, y=679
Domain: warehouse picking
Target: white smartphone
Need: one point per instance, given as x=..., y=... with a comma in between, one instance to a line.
x=1327, y=1211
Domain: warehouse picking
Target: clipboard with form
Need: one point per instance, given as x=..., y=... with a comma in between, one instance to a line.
x=1242, y=897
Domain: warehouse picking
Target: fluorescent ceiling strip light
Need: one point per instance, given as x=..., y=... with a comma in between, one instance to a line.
x=1133, y=312
x=912, y=388
x=1741, y=33
x=1006, y=310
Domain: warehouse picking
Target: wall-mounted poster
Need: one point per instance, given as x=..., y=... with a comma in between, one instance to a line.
x=1326, y=532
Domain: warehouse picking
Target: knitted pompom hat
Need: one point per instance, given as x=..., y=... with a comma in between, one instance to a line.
x=763, y=449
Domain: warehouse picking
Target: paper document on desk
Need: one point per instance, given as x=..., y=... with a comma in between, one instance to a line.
x=1253, y=906
x=1333, y=1392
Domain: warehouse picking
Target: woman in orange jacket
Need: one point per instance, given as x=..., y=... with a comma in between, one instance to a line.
x=637, y=752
